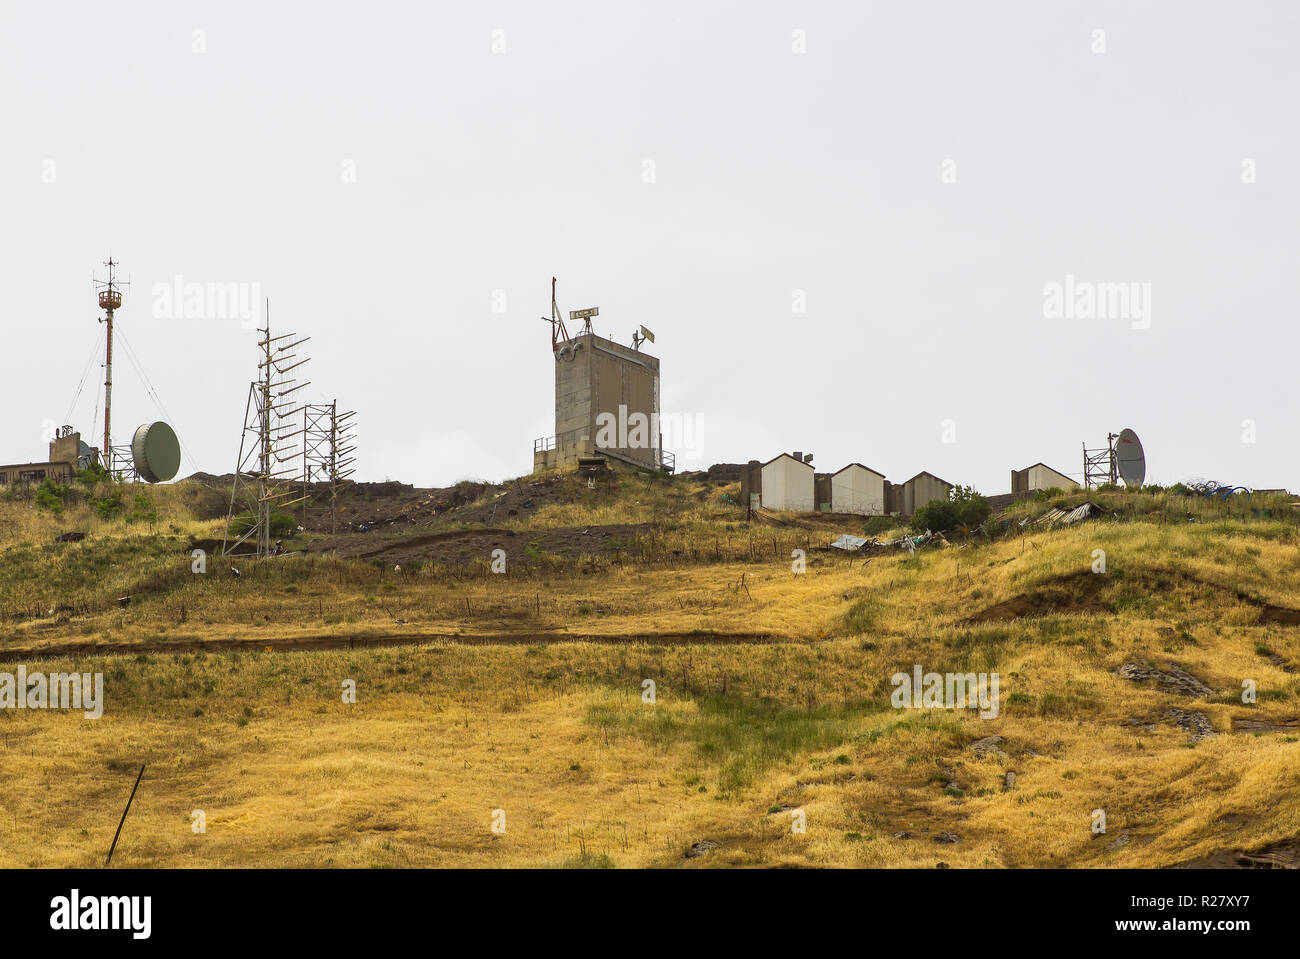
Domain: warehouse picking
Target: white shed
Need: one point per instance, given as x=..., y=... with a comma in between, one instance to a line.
x=858, y=489
x=787, y=484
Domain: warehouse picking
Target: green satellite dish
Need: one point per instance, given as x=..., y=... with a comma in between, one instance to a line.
x=156, y=451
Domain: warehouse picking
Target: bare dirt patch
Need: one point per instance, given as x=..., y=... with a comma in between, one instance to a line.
x=463, y=546
x=1278, y=855
x=1089, y=593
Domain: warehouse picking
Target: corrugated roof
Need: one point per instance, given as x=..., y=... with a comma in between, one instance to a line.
x=1067, y=516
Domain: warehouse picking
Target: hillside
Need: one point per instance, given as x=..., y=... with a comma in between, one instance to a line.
x=523, y=691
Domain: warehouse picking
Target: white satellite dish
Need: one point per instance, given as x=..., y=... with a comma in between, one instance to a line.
x=1130, y=458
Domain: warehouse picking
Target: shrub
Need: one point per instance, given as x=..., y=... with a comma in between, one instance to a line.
x=878, y=524
x=962, y=511
x=49, y=495
x=109, y=505
x=142, y=510
x=283, y=525
x=92, y=474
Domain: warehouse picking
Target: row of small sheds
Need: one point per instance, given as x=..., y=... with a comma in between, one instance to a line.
x=789, y=482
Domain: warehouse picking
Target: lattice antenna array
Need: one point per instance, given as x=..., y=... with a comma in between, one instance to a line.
x=269, y=447
x=329, y=441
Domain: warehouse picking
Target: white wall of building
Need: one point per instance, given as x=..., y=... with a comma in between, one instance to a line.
x=1044, y=477
x=855, y=489
x=788, y=485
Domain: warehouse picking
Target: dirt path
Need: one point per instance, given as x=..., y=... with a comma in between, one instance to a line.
x=380, y=640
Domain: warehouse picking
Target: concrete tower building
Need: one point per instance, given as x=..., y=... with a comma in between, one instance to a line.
x=606, y=401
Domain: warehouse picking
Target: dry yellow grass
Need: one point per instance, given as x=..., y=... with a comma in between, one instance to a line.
x=553, y=730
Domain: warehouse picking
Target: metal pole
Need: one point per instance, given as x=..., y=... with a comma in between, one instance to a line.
x=124, y=812
x=108, y=389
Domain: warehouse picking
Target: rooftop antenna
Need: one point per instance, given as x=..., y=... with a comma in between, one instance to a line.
x=641, y=336
x=558, y=331
x=585, y=316
x=110, y=300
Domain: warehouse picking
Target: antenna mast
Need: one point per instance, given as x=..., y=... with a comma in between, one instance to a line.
x=1099, y=466
x=329, y=441
x=110, y=299
x=268, y=446
x=558, y=330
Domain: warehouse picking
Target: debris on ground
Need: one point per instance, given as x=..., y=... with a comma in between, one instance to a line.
x=1066, y=517
x=854, y=544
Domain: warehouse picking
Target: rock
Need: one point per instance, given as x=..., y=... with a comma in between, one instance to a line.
x=947, y=838
x=1245, y=724
x=1009, y=780
x=903, y=835
x=988, y=746
x=942, y=865
x=700, y=848
x=1175, y=679
x=1198, y=724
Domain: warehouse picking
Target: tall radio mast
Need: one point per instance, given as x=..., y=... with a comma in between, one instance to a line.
x=110, y=299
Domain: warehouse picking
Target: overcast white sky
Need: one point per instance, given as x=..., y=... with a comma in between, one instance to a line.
x=777, y=179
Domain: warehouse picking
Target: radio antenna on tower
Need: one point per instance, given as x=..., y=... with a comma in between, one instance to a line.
x=558, y=331
x=110, y=300
x=269, y=447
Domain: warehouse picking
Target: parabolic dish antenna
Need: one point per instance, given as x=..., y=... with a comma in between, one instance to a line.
x=1130, y=458
x=156, y=452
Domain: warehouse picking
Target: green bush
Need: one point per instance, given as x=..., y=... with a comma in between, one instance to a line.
x=142, y=510
x=283, y=525
x=50, y=495
x=876, y=525
x=962, y=511
x=108, y=505
x=92, y=474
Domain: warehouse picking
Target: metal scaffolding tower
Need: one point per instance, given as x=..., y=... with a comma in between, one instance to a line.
x=1099, y=465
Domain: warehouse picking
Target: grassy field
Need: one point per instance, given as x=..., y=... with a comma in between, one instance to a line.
x=507, y=722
